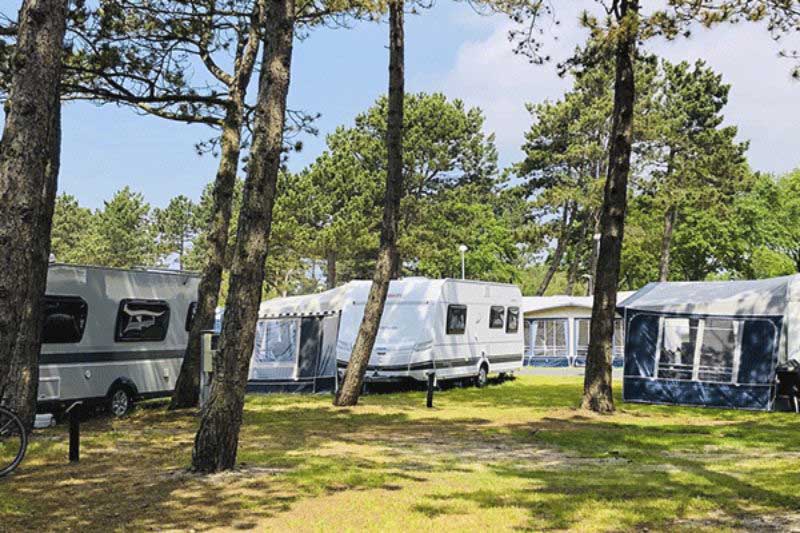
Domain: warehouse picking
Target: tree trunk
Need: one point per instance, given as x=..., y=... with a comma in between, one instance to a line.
x=595, y=252
x=580, y=243
x=217, y=438
x=558, y=254
x=387, y=256
x=330, y=263
x=670, y=216
x=597, y=379
x=29, y=162
x=187, y=388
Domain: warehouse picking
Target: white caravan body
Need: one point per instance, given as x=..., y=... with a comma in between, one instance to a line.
x=440, y=326
x=106, y=328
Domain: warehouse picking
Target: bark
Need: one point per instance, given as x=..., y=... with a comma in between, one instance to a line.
x=387, y=256
x=670, y=216
x=29, y=163
x=187, y=388
x=558, y=254
x=330, y=263
x=572, y=275
x=597, y=378
x=594, y=253
x=217, y=438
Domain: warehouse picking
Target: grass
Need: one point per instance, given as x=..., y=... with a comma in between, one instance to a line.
x=517, y=455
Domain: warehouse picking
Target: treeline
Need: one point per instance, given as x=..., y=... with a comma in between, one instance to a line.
x=696, y=210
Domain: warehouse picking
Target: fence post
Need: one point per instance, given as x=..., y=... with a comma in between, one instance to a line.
x=431, y=384
x=74, y=432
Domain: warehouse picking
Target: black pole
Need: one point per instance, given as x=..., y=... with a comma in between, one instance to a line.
x=74, y=434
x=431, y=381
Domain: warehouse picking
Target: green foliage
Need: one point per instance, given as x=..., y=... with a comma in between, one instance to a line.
x=123, y=233
x=176, y=225
x=72, y=236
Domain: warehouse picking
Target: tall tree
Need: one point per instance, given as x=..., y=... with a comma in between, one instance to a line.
x=386, y=265
x=217, y=438
x=72, y=236
x=123, y=232
x=597, y=378
x=29, y=163
x=176, y=225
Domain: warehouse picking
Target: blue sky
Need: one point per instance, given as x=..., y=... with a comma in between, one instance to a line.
x=339, y=73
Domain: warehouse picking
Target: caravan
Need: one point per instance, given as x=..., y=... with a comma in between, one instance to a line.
x=113, y=335
x=456, y=329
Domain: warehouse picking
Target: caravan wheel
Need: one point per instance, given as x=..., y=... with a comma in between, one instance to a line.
x=120, y=401
x=482, y=379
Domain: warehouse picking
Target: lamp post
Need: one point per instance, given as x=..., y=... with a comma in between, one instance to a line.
x=463, y=248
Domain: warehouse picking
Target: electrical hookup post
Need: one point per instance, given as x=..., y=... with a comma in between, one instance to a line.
x=431, y=387
x=74, y=412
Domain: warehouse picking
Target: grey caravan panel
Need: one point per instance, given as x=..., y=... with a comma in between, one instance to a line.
x=327, y=356
x=88, y=368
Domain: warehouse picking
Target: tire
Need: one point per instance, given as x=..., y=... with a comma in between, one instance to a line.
x=482, y=379
x=120, y=401
x=13, y=441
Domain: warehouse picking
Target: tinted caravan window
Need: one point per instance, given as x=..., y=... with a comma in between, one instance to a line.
x=496, y=317
x=190, y=315
x=512, y=320
x=64, y=319
x=456, y=319
x=142, y=320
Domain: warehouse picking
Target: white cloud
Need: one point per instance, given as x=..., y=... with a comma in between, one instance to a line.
x=763, y=101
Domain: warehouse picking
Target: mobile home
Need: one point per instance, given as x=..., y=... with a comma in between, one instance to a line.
x=113, y=335
x=710, y=343
x=454, y=328
x=557, y=330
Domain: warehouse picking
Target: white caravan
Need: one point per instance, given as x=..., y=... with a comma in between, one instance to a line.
x=455, y=328
x=112, y=334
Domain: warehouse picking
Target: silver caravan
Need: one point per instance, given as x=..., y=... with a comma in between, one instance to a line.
x=112, y=334
x=455, y=328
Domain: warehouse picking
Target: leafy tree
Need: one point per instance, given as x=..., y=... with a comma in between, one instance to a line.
x=176, y=225
x=72, y=236
x=30, y=152
x=123, y=233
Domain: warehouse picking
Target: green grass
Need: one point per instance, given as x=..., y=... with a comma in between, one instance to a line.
x=517, y=455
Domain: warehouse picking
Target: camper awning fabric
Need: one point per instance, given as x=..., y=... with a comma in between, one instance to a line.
x=710, y=343
x=766, y=297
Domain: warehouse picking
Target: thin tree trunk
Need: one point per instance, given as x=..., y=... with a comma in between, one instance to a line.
x=29, y=163
x=187, y=388
x=670, y=216
x=217, y=438
x=580, y=243
x=330, y=263
x=597, y=378
x=387, y=256
x=558, y=254
x=594, y=253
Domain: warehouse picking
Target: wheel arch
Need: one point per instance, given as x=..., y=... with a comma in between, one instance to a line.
x=124, y=383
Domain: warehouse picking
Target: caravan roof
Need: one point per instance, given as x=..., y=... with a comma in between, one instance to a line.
x=764, y=297
x=410, y=290
x=531, y=304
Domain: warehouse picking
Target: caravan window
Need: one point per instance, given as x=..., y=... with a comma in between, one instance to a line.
x=276, y=341
x=512, y=320
x=550, y=338
x=456, y=319
x=717, y=350
x=142, y=320
x=678, y=343
x=582, y=337
x=190, y=315
x=64, y=319
x=496, y=316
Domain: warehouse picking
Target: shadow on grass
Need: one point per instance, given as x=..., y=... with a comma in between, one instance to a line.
x=640, y=464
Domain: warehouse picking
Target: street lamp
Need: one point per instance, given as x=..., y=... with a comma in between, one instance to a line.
x=463, y=248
